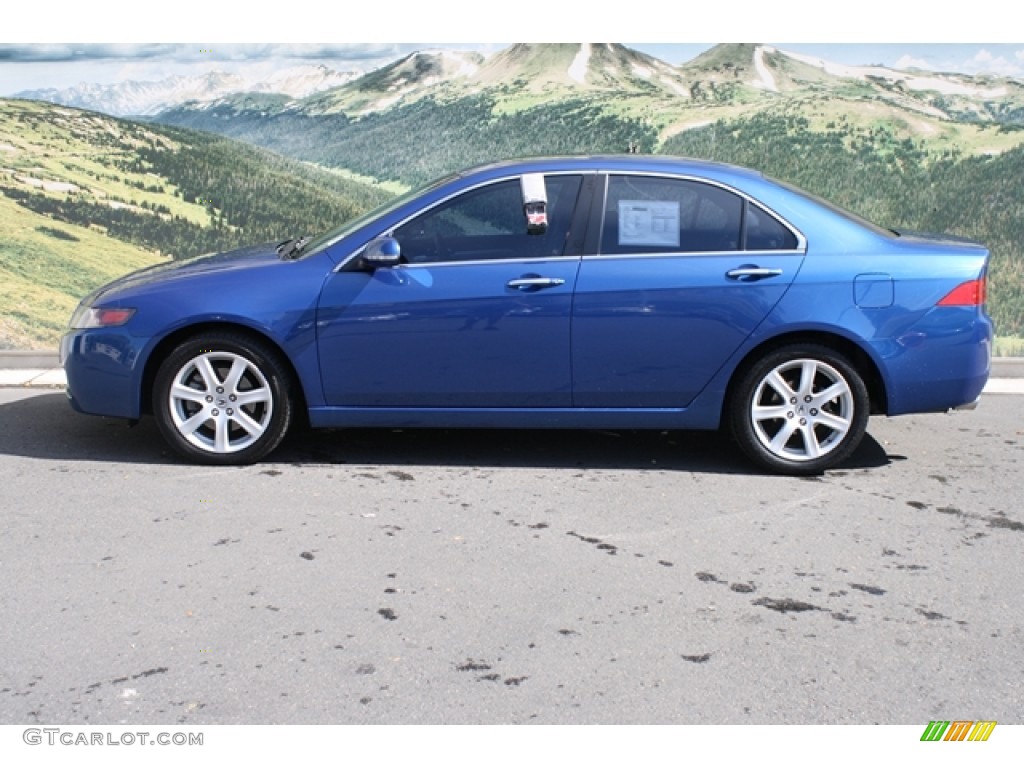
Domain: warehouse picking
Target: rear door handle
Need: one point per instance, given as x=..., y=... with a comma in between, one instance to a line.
x=748, y=274
x=534, y=283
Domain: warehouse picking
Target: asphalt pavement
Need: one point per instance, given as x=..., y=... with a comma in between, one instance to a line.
x=508, y=576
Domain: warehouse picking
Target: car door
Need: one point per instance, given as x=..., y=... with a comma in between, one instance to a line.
x=477, y=315
x=684, y=272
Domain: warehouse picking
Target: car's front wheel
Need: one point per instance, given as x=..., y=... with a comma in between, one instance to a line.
x=222, y=398
x=800, y=410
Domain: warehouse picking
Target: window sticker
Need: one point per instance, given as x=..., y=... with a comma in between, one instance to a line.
x=649, y=222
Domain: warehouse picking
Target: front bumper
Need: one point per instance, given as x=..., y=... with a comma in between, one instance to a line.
x=103, y=375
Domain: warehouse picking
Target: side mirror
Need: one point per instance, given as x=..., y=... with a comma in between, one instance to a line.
x=535, y=203
x=382, y=252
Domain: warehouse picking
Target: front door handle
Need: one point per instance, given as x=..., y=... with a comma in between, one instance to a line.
x=748, y=274
x=534, y=283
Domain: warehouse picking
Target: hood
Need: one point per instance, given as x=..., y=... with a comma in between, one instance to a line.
x=247, y=257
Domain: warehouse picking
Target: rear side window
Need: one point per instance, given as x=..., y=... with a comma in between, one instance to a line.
x=646, y=214
x=655, y=215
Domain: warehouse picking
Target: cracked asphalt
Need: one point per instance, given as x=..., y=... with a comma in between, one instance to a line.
x=409, y=577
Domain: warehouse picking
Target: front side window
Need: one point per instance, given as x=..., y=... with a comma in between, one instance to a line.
x=647, y=214
x=488, y=223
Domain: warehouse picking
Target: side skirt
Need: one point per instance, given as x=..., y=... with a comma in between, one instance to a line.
x=505, y=418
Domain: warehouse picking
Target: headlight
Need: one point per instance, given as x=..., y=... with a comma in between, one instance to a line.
x=100, y=317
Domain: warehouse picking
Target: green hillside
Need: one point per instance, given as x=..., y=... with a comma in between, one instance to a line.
x=85, y=198
x=45, y=267
x=422, y=140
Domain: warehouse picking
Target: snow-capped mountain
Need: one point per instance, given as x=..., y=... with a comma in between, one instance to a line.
x=771, y=69
x=913, y=80
x=302, y=81
x=607, y=66
x=407, y=78
x=145, y=98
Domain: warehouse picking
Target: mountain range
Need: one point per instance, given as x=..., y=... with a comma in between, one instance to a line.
x=908, y=149
x=725, y=73
x=147, y=98
x=640, y=94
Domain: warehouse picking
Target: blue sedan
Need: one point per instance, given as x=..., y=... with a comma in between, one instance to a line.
x=628, y=292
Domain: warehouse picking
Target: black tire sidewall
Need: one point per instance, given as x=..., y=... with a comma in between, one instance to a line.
x=259, y=355
x=742, y=426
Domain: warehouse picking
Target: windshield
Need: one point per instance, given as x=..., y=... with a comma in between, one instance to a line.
x=347, y=228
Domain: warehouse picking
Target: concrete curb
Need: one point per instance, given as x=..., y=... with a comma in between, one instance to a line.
x=28, y=359
x=1008, y=368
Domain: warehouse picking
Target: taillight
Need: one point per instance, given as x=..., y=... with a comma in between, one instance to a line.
x=969, y=294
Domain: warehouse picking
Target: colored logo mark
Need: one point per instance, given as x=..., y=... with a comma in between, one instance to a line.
x=958, y=730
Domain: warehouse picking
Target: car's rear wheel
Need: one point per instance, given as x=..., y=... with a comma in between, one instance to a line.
x=800, y=409
x=222, y=398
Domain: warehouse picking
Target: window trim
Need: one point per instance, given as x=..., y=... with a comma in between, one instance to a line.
x=801, y=240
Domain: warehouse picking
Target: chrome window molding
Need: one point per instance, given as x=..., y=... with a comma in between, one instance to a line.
x=693, y=254
x=479, y=262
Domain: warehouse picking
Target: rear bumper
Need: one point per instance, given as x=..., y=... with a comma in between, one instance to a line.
x=942, y=365
x=968, y=406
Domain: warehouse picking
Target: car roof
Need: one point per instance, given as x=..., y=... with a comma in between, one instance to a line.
x=626, y=162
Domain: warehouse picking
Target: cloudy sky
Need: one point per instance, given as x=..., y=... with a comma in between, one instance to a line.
x=30, y=66
x=122, y=40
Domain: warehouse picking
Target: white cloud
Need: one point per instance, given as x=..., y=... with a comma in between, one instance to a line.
x=968, y=60
x=982, y=62
x=985, y=63
x=909, y=62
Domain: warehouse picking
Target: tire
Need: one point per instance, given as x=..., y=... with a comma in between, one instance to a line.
x=223, y=398
x=799, y=410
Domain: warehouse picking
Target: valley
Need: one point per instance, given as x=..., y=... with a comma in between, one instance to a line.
x=86, y=197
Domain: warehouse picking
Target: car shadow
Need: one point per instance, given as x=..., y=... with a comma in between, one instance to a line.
x=44, y=427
